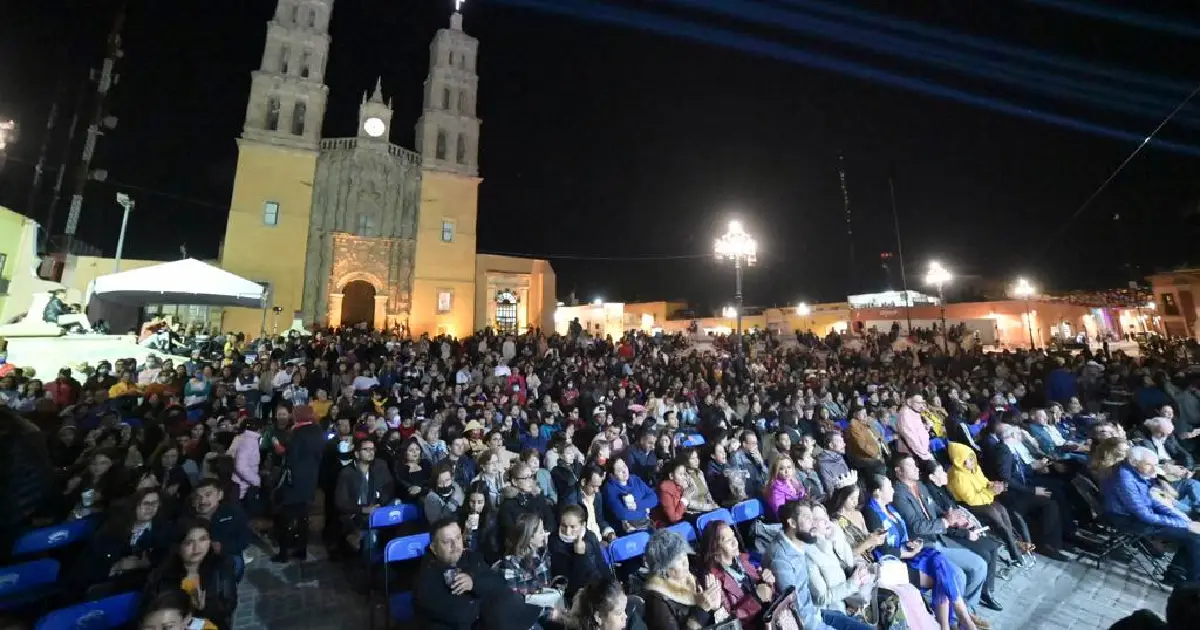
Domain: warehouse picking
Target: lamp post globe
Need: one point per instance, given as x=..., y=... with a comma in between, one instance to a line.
x=737, y=245
x=1023, y=290
x=939, y=276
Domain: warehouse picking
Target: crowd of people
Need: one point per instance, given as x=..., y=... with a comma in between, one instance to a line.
x=897, y=483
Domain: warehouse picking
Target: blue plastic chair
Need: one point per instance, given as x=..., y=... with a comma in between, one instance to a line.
x=103, y=614
x=685, y=529
x=937, y=444
x=406, y=548
x=747, y=510
x=27, y=582
x=695, y=439
x=54, y=537
x=628, y=547
x=401, y=607
x=720, y=514
x=392, y=515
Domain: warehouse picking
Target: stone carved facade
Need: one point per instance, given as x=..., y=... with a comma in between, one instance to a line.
x=366, y=199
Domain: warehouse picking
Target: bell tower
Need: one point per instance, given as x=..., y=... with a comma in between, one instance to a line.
x=266, y=235
x=448, y=131
x=375, y=115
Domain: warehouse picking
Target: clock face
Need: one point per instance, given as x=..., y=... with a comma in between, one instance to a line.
x=374, y=127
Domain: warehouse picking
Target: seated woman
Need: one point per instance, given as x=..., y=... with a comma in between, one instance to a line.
x=969, y=486
x=575, y=551
x=927, y=567
x=745, y=592
x=628, y=499
x=803, y=455
x=491, y=474
x=480, y=525
x=673, y=503
x=206, y=576
x=525, y=566
x=843, y=508
x=132, y=540
x=102, y=482
x=783, y=485
x=603, y=605
x=698, y=497
x=832, y=581
x=674, y=600
x=413, y=474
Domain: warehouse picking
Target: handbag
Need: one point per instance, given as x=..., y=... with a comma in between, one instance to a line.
x=781, y=614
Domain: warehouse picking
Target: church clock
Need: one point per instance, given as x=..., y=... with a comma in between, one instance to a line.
x=374, y=127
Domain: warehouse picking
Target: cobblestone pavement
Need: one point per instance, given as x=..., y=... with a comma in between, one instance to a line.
x=318, y=595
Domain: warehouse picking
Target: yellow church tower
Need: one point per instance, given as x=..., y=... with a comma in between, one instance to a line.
x=267, y=232
x=447, y=137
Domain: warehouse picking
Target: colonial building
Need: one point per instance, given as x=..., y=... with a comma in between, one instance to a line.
x=357, y=230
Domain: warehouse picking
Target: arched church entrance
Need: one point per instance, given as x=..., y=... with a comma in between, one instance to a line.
x=358, y=303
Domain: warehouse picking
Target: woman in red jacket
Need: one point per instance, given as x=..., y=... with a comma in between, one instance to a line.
x=745, y=590
x=672, y=506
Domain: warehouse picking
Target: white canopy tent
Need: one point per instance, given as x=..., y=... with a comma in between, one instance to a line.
x=187, y=281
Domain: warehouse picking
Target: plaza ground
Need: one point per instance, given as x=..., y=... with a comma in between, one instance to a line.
x=317, y=595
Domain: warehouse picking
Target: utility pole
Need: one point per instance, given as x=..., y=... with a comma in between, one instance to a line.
x=127, y=203
x=105, y=79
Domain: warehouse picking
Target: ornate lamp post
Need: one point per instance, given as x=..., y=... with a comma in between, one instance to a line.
x=742, y=249
x=939, y=277
x=1023, y=290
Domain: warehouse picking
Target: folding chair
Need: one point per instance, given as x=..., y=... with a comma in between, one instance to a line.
x=24, y=583
x=692, y=440
x=685, y=529
x=628, y=547
x=103, y=614
x=385, y=517
x=57, y=536
x=747, y=510
x=1118, y=542
x=401, y=549
x=719, y=514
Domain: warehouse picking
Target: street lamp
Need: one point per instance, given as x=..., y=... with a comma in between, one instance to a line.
x=127, y=203
x=742, y=249
x=803, y=310
x=729, y=312
x=939, y=276
x=1022, y=289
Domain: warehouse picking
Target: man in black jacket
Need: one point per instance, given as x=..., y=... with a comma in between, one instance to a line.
x=361, y=488
x=298, y=486
x=588, y=497
x=456, y=590
x=230, y=526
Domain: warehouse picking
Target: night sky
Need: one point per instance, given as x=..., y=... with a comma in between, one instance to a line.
x=620, y=154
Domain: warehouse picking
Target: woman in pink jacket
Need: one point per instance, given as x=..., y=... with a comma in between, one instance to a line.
x=246, y=458
x=784, y=486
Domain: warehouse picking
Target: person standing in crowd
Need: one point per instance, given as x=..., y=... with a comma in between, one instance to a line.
x=297, y=486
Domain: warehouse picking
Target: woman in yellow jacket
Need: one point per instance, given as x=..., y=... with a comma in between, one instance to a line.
x=971, y=488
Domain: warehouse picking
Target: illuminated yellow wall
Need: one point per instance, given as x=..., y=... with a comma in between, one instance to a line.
x=821, y=319
x=17, y=236
x=442, y=266
x=538, y=302
x=269, y=253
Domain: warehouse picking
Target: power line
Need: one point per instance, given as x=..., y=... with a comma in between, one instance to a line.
x=1103, y=185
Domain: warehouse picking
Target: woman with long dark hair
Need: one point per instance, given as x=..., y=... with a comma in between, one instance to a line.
x=480, y=523
x=133, y=539
x=205, y=575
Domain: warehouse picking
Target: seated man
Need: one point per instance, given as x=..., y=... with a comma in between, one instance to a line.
x=1039, y=499
x=949, y=530
x=456, y=589
x=1176, y=462
x=1052, y=440
x=1131, y=505
x=362, y=488
x=57, y=312
x=831, y=463
x=230, y=526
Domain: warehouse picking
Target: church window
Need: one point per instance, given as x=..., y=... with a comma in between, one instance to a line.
x=506, y=311
x=312, y=18
x=284, y=53
x=299, y=113
x=461, y=150
x=272, y=122
x=366, y=225
x=445, y=98
x=295, y=15
x=445, y=300
x=305, y=61
x=447, y=231
x=271, y=213
x=441, y=145
x=462, y=102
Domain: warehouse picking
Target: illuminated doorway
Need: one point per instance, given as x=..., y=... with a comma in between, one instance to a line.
x=506, y=311
x=358, y=304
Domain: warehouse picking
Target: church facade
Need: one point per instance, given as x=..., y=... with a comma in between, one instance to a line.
x=346, y=231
